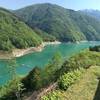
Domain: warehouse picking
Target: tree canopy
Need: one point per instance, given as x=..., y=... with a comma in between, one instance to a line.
x=15, y=34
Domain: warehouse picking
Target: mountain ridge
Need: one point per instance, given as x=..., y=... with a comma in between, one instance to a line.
x=65, y=24
x=93, y=13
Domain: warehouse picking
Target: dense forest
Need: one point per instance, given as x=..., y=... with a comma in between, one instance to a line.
x=15, y=34
x=65, y=24
x=46, y=37
x=63, y=73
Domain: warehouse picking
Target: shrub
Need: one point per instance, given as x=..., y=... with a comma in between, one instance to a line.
x=95, y=48
x=54, y=95
x=67, y=79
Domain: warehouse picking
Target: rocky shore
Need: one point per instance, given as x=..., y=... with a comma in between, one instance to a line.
x=21, y=52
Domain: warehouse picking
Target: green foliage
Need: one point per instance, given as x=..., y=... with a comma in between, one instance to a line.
x=9, y=91
x=54, y=95
x=66, y=25
x=5, y=43
x=64, y=82
x=67, y=79
x=83, y=59
x=46, y=37
x=12, y=90
x=55, y=62
x=34, y=80
x=39, y=78
x=15, y=34
x=53, y=66
x=88, y=25
x=95, y=48
x=96, y=72
x=66, y=74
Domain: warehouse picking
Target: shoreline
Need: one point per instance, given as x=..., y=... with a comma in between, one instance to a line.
x=21, y=52
x=18, y=53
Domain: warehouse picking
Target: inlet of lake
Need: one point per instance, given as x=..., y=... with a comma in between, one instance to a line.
x=41, y=58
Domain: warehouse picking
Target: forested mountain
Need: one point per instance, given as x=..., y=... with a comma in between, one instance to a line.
x=14, y=33
x=92, y=13
x=45, y=36
x=65, y=24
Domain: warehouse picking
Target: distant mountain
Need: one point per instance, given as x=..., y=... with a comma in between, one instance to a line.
x=92, y=13
x=65, y=24
x=14, y=33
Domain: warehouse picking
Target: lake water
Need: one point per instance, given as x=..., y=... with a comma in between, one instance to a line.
x=41, y=58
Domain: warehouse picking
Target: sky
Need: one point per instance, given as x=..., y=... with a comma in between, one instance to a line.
x=69, y=4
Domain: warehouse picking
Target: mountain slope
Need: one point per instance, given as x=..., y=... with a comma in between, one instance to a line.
x=15, y=34
x=66, y=25
x=93, y=13
x=88, y=25
x=46, y=37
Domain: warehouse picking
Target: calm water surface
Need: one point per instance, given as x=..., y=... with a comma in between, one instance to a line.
x=41, y=58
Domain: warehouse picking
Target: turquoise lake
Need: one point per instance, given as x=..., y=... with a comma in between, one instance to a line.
x=41, y=58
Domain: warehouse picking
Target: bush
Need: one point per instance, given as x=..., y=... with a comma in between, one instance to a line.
x=67, y=79
x=95, y=48
x=54, y=95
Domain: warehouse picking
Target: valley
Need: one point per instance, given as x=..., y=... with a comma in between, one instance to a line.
x=44, y=44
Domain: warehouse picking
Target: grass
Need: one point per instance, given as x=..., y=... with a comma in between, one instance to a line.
x=86, y=88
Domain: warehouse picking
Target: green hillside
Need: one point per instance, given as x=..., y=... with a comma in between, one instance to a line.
x=66, y=25
x=15, y=34
x=45, y=36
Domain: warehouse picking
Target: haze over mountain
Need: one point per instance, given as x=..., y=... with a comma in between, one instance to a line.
x=65, y=24
x=91, y=12
x=15, y=34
